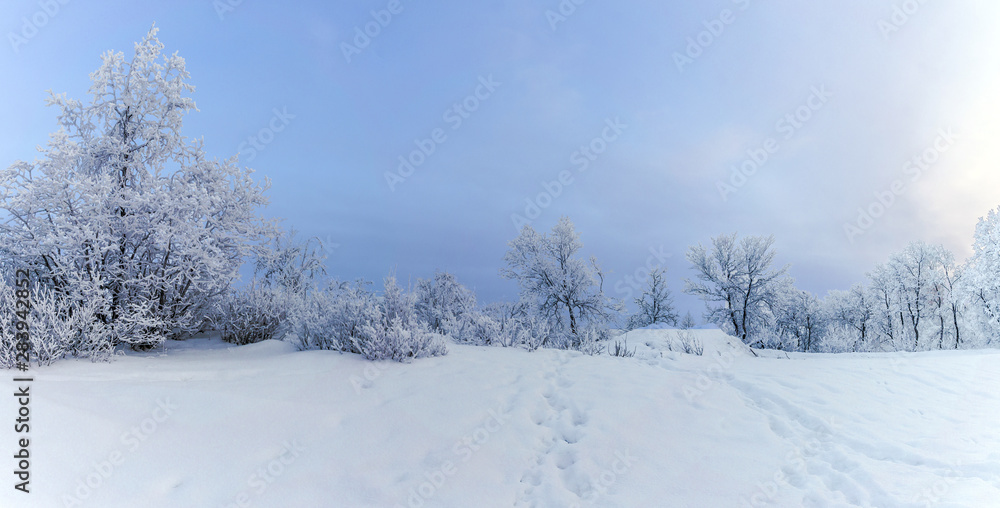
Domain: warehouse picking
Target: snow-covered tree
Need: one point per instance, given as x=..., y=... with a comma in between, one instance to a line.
x=851, y=312
x=737, y=277
x=981, y=278
x=563, y=288
x=121, y=199
x=885, y=292
x=798, y=318
x=656, y=305
x=948, y=306
x=688, y=322
x=916, y=273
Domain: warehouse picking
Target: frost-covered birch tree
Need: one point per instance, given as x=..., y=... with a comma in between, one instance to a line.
x=737, y=283
x=120, y=207
x=563, y=287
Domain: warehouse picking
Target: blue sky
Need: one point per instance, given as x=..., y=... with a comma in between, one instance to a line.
x=510, y=96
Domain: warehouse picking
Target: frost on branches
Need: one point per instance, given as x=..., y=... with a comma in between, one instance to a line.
x=121, y=209
x=563, y=289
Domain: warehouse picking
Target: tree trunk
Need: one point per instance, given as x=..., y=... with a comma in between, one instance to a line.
x=954, y=316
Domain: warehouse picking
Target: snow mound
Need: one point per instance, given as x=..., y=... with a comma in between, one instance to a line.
x=664, y=342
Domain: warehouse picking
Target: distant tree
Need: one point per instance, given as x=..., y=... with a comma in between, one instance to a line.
x=884, y=289
x=688, y=322
x=916, y=272
x=952, y=278
x=738, y=278
x=852, y=311
x=121, y=208
x=563, y=288
x=799, y=318
x=656, y=305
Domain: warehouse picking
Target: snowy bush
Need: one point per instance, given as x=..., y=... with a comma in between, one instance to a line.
x=396, y=334
x=621, y=349
x=251, y=314
x=58, y=327
x=442, y=300
x=501, y=324
x=348, y=317
x=689, y=344
x=333, y=317
x=593, y=340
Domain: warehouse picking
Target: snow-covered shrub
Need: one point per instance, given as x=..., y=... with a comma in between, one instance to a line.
x=690, y=344
x=251, y=314
x=503, y=324
x=58, y=327
x=532, y=332
x=397, y=334
x=442, y=300
x=8, y=318
x=476, y=328
x=593, y=340
x=621, y=349
x=348, y=317
x=332, y=317
x=394, y=340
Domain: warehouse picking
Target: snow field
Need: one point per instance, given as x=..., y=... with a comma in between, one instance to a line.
x=264, y=425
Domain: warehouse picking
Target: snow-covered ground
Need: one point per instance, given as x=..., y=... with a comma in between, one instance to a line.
x=209, y=425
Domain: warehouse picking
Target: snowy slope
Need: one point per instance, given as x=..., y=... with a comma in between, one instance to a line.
x=267, y=426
